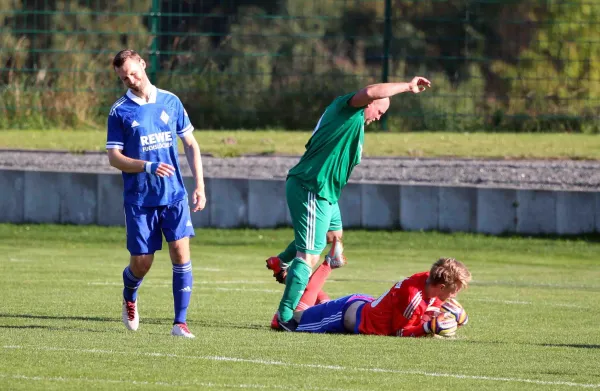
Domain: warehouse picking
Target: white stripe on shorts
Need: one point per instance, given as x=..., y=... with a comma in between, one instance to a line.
x=322, y=323
x=311, y=221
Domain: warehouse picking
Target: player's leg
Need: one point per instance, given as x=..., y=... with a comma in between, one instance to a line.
x=353, y=312
x=335, y=258
x=314, y=293
x=324, y=318
x=280, y=263
x=318, y=278
x=310, y=217
x=143, y=239
x=177, y=227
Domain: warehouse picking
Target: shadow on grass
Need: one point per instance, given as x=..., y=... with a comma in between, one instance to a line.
x=83, y=318
x=155, y=321
x=53, y=328
x=568, y=345
x=544, y=345
x=231, y=325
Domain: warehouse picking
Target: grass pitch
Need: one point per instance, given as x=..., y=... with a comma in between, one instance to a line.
x=228, y=143
x=532, y=307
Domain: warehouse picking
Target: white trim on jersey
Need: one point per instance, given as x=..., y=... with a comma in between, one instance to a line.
x=318, y=123
x=166, y=92
x=186, y=130
x=414, y=303
x=114, y=145
x=113, y=109
x=141, y=101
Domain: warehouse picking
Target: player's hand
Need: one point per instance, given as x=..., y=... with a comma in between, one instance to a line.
x=159, y=169
x=199, y=199
x=430, y=313
x=419, y=84
x=443, y=325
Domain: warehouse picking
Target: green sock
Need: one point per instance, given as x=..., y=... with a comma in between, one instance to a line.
x=289, y=253
x=295, y=284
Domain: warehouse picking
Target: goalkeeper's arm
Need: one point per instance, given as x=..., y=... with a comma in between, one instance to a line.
x=415, y=331
x=441, y=324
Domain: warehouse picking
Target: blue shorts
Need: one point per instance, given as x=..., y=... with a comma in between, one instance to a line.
x=144, y=226
x=328, y=317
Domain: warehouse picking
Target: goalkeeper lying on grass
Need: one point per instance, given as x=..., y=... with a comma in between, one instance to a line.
x=417, y=306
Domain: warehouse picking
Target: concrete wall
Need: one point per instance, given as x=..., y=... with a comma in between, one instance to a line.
x=78, y=198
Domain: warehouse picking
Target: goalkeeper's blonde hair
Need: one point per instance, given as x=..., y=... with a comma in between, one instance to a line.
x=450, y=272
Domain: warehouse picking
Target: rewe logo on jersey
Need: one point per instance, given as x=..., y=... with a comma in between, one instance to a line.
x=156, y=141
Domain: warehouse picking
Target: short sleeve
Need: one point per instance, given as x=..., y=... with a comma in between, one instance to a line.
x=115, y=134
x=184, y=126
x=341, y=103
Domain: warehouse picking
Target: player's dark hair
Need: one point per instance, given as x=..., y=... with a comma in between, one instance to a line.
x=123, y=55
x=449, y=271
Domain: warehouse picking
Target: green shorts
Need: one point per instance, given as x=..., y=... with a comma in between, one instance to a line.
x=312, y=217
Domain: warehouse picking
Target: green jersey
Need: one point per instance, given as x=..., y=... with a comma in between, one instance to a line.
x=333, y=150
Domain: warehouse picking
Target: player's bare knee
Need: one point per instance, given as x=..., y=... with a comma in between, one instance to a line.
x=141, y=264
x=179, y=250
x=310, y=259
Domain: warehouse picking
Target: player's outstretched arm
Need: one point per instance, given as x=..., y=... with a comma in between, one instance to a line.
x=132, y=166
x=385, y=90
x=194, y=158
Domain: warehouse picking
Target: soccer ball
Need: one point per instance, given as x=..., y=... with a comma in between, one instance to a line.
x=444, y=325
x=451, y=306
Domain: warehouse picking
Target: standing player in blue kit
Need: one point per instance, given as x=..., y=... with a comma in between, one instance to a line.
x=143, y=126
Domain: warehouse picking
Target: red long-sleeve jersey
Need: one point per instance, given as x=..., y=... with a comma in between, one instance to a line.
x=398, y=312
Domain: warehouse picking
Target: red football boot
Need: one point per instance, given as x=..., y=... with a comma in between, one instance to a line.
x=279, y=269
x=275, y=322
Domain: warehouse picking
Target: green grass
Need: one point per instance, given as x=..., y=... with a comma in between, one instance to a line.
x=533, y=318
x=443, y=144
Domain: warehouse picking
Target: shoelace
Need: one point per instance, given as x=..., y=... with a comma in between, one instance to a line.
x=130, y=309
x=183, y=326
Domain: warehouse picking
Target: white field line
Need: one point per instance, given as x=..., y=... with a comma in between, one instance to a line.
x=160, y=383
x=519, y=302
x=20, y=260
x=505, y=283
x=315, y=366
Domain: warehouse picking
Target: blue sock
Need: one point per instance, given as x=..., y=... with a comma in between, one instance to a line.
x=131, y=284
x=182, y=290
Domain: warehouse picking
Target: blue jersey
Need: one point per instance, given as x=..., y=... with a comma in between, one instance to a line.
x=147, y=131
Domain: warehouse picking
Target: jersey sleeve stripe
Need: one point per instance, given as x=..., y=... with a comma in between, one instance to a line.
x=118, y=103
x=414, y=303
x=185, y=130
x=114, y=145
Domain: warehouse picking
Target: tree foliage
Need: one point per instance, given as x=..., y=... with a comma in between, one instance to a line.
x=495, y=64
